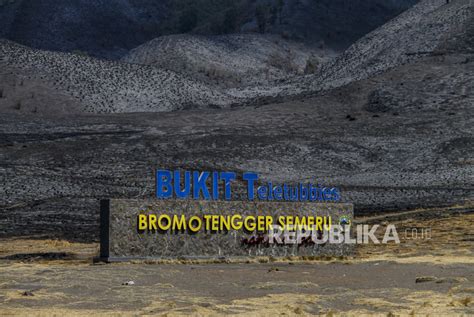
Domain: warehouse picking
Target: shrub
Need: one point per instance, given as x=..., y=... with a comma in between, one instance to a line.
x=312, y=65
x=283, y=62
x=80, y=53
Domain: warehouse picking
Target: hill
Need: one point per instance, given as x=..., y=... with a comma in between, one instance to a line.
x=399, y=140
x=93, y=85
x=181, y=72
x=230, y=60
x=70, y=25
x=430, y=28
x=389, y=122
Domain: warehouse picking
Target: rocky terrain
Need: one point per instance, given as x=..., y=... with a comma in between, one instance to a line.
x=230, y=60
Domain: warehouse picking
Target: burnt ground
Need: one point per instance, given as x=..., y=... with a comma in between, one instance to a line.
x=398, y=141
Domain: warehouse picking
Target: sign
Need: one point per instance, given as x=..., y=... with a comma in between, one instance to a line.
x=195, y=215
x=174, y=228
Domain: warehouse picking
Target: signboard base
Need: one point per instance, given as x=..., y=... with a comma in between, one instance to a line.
x=134, y=229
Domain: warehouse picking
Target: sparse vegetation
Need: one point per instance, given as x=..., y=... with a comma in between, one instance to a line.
x=284, y=62
x=80, y=53
x=226, y=60
x=261, y=17
x=56, y=168
x=312, y=65
x=143, y=20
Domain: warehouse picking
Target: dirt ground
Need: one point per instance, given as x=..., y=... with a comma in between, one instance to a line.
x=431, y=275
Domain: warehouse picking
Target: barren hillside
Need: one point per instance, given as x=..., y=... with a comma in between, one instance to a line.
x=93, y=85
x=432, y=27
x=230, y=60
x=395, y=133
x=429, y=28
x=399, y=140
x=181, y=72
x=70, y=25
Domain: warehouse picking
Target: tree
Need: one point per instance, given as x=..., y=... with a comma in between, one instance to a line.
x=273, y=15
x=261, y=17
x=230, y=20
x=188, y=20
x=279, y=6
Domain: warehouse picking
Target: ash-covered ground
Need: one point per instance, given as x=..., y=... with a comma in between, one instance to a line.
x=389, y=121
x=397, y=141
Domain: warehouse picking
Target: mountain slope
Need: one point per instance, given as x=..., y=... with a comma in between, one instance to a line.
x=69, y=25
x=423, y=30
x=401, y=139
x=232, y=60
x=103, y=86
x=429, y=28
